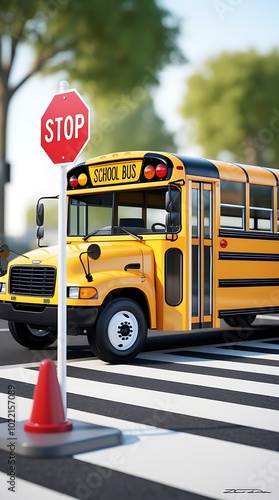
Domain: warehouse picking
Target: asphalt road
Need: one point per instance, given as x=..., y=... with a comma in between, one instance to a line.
x=12, y=353
x=198, y=413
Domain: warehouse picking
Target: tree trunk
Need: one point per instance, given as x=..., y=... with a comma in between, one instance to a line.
x=4, y=103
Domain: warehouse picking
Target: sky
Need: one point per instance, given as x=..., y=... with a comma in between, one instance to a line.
x=208, y=27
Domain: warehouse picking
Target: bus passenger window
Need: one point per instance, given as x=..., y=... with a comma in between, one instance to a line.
x=260, y=207
x=195, y=213
x=207, y=222
x=233, y=205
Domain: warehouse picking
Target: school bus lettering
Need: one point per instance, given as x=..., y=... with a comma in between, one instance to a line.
x=103, y=175
x=155, y=241
x=129, y=171
x=115, y=174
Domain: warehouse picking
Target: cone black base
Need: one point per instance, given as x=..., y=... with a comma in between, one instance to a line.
x=82, y=438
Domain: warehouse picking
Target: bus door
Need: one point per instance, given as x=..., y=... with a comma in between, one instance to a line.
x=201, y=255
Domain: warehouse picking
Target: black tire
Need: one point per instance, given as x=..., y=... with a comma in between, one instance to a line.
x=120, y=332
x=240, y=320
x=31, y=337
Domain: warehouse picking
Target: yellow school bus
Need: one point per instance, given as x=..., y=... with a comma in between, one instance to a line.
x=154, y=241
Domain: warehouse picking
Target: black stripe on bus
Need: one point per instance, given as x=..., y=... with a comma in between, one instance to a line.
x=251, y=310
x=273, y=173
x=199, y=166
x=228, y=283
x=243, y=169
x=258, y=235
x=248, y=256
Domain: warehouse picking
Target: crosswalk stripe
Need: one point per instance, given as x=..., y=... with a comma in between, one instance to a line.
x=25, y=489
x=233, y=413
x=262, y=342
x=180, y=460
x=230, y=352
x=272, y=318
x=185, y=423
x=168, y=357
x=171, y=458
x=260, y=345
x=181, y=377
x=200, y=444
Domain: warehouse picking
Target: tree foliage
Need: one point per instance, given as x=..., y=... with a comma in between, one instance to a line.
x=232, y=102
x=107, y=43
x=128, y=122
x=108, y=46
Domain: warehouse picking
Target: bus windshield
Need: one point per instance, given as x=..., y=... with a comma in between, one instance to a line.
x=102, y=214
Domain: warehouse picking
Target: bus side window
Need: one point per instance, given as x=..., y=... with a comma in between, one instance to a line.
x=261, y=207
x=232, y=205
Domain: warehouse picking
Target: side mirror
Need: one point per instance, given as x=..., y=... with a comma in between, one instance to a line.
x=172, y=222
x=4, y=251
x=172, y=207
x=94, y=251
x=40, y=233
x=40, y=214
x=172, y=200
x=4, y=254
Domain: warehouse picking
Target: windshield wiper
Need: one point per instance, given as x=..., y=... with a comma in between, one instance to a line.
x=90, y=234
x=138, y=237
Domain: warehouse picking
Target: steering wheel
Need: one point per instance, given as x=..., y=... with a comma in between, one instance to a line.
x=153, y=227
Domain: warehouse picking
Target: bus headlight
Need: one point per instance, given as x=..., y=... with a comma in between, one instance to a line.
x=3, y=288
x=76, y=292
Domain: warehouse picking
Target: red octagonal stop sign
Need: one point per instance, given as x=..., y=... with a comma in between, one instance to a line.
x=65, y=127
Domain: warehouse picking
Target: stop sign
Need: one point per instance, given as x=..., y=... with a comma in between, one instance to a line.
x=65, y=127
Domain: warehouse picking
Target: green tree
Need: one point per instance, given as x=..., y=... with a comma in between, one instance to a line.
x=110, y=45
x=128, y=122
x=233, y=105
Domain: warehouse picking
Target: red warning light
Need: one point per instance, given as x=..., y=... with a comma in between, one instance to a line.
x=73, y=181
x=161, y=170
x=223, y=243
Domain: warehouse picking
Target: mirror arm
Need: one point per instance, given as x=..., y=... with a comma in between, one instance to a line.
x=87, y=273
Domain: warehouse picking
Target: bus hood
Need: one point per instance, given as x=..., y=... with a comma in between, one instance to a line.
x=109, y=257
x=112, y=256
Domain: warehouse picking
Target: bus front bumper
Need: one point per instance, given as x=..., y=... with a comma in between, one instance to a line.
x=38, y=315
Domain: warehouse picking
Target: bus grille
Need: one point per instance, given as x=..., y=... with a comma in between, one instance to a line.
x=35, y=281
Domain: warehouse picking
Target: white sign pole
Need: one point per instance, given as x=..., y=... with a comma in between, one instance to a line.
x=62, y=273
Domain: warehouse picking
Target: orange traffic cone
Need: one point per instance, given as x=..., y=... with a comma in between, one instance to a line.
x=47, y=412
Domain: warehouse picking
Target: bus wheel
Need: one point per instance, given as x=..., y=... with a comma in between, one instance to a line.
x=31, y=337
x=120, y=332
x=240, y=320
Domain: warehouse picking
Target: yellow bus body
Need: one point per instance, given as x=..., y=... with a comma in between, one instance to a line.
x=218, y=258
